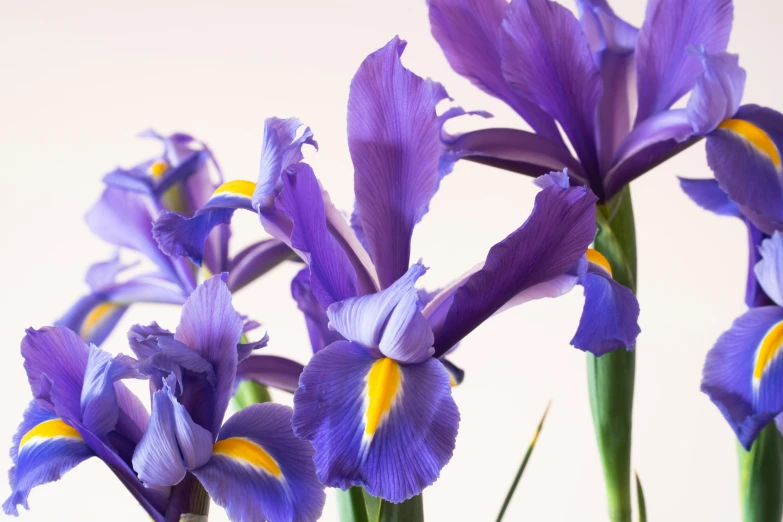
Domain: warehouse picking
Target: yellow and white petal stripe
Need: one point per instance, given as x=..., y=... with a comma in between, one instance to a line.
x=756, y=137
x=597, y=258
x=98, y=316
x=249, y=453
x=48, y=430
x=769, y=349
x=383, y=386
x=232, y=194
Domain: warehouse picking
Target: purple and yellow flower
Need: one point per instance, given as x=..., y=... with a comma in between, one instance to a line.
x=79, y=410
x=609, y=85
x=375, y=401
x=182, y=179
x=252, y=465
x=743, y=371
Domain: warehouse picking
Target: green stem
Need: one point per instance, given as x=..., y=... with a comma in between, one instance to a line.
x=761, y=477
x=350, y=505
x=611, y=376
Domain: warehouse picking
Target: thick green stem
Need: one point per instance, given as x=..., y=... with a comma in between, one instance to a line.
x=611, y=377
x=761, y=477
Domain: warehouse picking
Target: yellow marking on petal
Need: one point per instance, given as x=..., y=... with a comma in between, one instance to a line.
x=50, y=429
x=596, y=257
x=158, y=168
x=452, y=381
x=756, y=136
x=768, y=349
x=95, y=316
x=383, y=383
x=238, y=187
x=239, y=448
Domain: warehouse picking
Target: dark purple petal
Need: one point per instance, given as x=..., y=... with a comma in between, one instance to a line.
x=260, y=471
x=743, y=383
x=744, y=155
x=552, y=240
x=271, y=370
x=45, y=456
x=546, y=57
x=470, y=34
x=769, y=270
x=708, y=195
x=210, y=326
x=331, y=273
x=393, y=136
x=316, y=319
x=182, y=236
x=610, y=315
x=388, y=322
x=393, y=455
x=512, y=149
x=664, y=71
x=254, y=261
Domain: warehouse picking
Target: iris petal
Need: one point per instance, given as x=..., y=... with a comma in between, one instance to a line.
x=390, y=435
x=769, y=270
x=260, y=471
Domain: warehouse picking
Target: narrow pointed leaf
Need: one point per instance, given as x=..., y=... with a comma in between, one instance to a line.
x=523, y=465
x=640, y=500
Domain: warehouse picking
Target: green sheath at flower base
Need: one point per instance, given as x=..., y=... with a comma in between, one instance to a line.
x=761, y=477
x=611, y=376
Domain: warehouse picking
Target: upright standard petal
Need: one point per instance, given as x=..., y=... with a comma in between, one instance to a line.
x=769, y=270
x=260, y=471
x=388, y=322
x=44, y=448
x=552, y=240
x=664, y=71
x=470, y=35
x=332, y=275
x=744, y=155
x=611, y=312
x=375, y=423
x=100, y=412
x=744, y=371
x=210, y=326
x=393, y=136
x=546, y=57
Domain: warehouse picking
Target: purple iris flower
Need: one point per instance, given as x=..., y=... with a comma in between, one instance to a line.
x=182, y=178
x=609, y=85
x=375, y=401
x=253, y=465
x=743, y=370
x=79, y=410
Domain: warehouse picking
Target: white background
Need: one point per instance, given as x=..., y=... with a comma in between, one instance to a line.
x=81, y=78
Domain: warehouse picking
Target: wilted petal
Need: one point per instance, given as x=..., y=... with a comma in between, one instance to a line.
x=254, y=261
